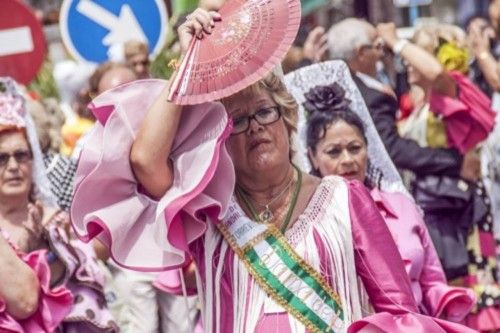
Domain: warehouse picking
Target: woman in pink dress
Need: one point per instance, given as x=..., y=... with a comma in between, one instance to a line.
x=275, y=249
x=337, y=145
x=68, y=281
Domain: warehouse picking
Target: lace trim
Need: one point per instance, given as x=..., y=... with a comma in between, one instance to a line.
x=314, y=212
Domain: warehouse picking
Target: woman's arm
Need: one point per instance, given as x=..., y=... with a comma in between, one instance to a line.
x=153, y=144
x=151, y=149
x=19, y=286
x=424, y=62
x=378, y=262
x=479, y=39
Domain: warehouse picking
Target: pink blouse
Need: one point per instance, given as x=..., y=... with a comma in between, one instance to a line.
x=428, y=281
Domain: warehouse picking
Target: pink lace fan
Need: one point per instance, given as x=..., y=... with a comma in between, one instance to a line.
x=246, y=44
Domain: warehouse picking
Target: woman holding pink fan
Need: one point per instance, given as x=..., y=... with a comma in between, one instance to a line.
x=275, y=249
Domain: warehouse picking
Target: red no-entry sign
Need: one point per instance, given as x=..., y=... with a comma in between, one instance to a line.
x=22, y=42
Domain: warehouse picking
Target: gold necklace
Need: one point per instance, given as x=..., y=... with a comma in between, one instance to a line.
x=260, y=217
x=266, y=216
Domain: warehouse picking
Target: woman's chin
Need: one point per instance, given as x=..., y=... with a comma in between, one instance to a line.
x=351, y=177
x=263, y=162
x=14, y=191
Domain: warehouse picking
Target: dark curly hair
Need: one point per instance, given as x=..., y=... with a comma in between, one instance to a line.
x=325, y=106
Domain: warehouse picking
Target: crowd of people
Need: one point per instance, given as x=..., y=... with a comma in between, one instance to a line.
x=355, y=188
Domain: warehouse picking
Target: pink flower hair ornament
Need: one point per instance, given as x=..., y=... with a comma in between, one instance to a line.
x=12, y=105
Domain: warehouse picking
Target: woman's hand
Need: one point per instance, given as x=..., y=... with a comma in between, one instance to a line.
x=198, y=22
x=422, y=61
x=479, y=37
x=387, y=32
x=34, y=228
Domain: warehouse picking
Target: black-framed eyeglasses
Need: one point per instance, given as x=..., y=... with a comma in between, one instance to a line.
x=21, y=156
x=264, y=116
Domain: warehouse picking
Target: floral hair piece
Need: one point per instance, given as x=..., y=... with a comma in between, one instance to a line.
x=328, y=98
x=453, y=57
x=12, y=105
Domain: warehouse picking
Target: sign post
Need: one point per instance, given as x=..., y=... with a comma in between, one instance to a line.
x=22, y=42
x=412, y=7
x=91, y=28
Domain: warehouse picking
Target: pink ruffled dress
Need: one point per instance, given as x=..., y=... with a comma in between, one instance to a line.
x=83, y=278
x=341, y=221
x=54, y=303
x=431, y=291
x=78, y=304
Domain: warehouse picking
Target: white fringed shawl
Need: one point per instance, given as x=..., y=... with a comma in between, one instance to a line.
x=327, y=216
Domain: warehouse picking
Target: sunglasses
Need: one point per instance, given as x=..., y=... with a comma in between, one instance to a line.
x=21, y=156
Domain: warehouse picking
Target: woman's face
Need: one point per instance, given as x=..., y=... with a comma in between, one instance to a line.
x=341, y=152
x=260, y=147
x=16, y=165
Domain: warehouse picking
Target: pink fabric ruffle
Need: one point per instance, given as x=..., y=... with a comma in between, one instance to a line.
x=468, y=118
x=141, y=233
x=452, y=303
x=171, y=283
x=409, y=322
x=54, y=304
x=83, y=277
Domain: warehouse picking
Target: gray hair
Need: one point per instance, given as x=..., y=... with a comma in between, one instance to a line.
x=345, y=37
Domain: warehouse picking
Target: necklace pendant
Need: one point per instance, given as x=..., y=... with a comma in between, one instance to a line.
x=266, y=216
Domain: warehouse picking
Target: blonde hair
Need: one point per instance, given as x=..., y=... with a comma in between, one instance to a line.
x=430, y=36
x=448, y=43
x=133, y=48
x=277, y=89
x=287, y=104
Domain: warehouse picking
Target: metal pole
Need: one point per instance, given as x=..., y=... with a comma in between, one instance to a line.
x=413, y=12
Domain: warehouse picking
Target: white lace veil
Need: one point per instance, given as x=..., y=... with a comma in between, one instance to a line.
x=302, y=80
x=41, y=183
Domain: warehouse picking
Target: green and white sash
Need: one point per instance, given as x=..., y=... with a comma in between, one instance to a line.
x=282, y=273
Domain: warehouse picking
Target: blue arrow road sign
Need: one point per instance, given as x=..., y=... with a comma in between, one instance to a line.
x=89, y=28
